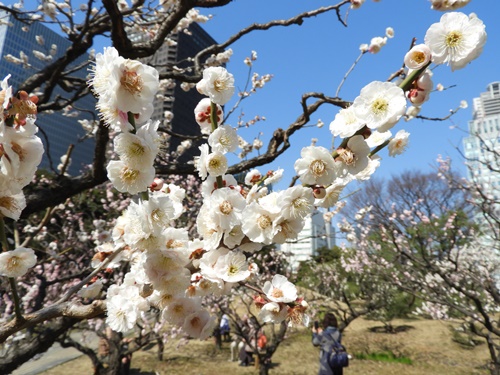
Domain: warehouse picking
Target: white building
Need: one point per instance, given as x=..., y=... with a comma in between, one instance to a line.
x=484, y=140
x=316, y=233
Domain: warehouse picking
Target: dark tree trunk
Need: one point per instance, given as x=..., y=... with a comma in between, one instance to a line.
x=217, y=339
x=161, y=348
x=39, y=343
x=495, y=369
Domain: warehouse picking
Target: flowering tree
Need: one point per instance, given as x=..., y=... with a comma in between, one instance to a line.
x=159, y=264
x=428, y=245
x=244, y=308
x=350, y=290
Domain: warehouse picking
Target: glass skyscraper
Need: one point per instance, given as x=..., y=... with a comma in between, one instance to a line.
x=56, y=131
x=482, y=145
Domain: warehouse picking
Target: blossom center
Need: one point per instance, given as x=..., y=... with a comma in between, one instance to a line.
x=129, y=175
x=224, y=140
x=172, y=244
x=277, y=293
x=18, y=150
x=453, y=39
x=157, y=215
x=131, y=82
x=233, y=270
x=219, y=85
x=9, y=203
x=347, y=156
x=196, y=322
x=13, y=263
x=418, y=57
x=226, y=207
x=379, y=106
x=136, y=149
x=264, y=221
x=214, y=163
x=317, y=168
x=300, y=203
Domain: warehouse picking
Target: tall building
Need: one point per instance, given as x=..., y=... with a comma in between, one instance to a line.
x=484, y=140
x=18, y=43
x=315, y=234
x=178, y=101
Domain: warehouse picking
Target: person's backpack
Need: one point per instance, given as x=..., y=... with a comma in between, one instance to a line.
x=338, y=357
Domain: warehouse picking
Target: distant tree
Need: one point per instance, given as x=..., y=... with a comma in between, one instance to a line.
x=430, y=247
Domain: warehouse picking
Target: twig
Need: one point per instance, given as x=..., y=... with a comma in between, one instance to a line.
x=78, y=286
x=349, y=72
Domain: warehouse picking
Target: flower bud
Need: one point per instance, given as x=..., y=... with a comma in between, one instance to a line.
x=319, y=192
x=156, y=185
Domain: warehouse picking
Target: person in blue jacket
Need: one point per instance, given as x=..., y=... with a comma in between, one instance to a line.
x=323, y=337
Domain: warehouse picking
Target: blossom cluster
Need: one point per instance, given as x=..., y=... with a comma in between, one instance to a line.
x=168, y=269
x=365, y=126
x=20, y=153
x=239, y=219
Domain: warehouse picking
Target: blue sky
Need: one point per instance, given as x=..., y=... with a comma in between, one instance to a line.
x=316, y=55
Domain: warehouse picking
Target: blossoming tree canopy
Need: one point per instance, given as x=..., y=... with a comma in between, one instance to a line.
x=234, y=221
x=171, y=269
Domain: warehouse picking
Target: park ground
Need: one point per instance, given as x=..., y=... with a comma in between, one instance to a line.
x=424, y=347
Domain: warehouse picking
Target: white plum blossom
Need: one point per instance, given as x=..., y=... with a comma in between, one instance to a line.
x=346, y=123
x=11, y=205
x=226, y=206
x=216, y=164
x=380, y=105
x=353, y=158
x=91, y=290
x=223, y=139
x=376, y=44
x=412, y=112
x=332, y=194
x=446, y=5
x=456, y=39
x=135, y=151
x=273, y=312
x=418, y=56
x=287, y=229
x=273, y=177
x=136, y=85
x=179, y=308
x=121, y=313
x=376, y=138
x=199, y=324
x=252, y=177
x=421, y=89
x=279, y=289
x=202, y=115
x=123, y=86
x=210, y=184
x=258, y=223
x=16, y=263
x=398, y=144
x=232, y=267
x=296, y=202
x=217, y=84
x=316, y=166
x=355, y=4
x=213, y=164
x=129, y=180
x=200, y=162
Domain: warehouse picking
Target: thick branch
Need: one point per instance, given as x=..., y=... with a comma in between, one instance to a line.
x=39, y=343
x=67, y=309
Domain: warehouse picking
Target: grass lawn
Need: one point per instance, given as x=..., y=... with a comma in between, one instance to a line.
x=427, y=344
